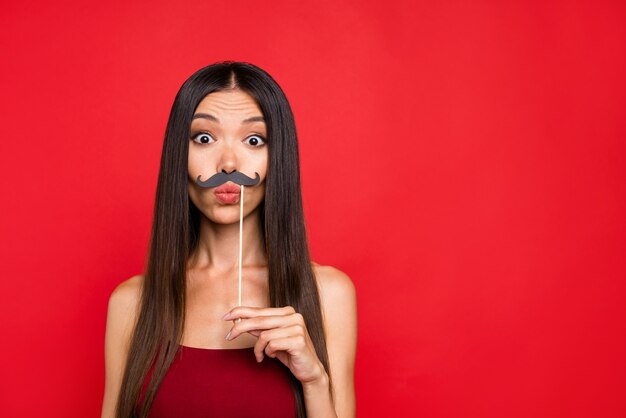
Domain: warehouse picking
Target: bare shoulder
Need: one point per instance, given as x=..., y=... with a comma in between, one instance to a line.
x=122, y=314
x=335, y=286
x=121, y=317
x=338, y=303
x=126, y=295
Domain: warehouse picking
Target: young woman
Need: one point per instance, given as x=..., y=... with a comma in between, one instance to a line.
x=177, y=344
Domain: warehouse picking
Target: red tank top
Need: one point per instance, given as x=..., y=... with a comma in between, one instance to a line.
x=216, y=383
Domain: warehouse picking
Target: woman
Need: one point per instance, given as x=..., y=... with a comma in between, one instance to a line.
x=176, y=343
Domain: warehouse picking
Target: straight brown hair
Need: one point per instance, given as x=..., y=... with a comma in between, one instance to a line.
x=175, y=228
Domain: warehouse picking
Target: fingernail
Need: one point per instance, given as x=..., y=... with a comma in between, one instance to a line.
x=228, y=335
x=226, y=316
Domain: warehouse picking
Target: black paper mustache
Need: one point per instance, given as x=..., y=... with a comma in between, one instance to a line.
x=221, y=178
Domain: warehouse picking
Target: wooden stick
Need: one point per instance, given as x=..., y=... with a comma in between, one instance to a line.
x=240, y=241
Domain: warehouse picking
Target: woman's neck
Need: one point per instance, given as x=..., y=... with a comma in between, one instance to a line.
x=218, y=245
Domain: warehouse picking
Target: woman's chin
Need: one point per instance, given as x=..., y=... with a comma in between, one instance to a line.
x=223, y=219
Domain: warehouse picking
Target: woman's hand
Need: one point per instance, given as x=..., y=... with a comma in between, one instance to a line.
x=282, y=334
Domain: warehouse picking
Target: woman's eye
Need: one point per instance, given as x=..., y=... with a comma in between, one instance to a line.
x=202, y=138
x=254, y=140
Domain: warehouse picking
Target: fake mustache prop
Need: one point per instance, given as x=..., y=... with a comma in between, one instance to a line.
x=236, y=177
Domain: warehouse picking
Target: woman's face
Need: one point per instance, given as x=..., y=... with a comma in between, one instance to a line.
x=227, y=133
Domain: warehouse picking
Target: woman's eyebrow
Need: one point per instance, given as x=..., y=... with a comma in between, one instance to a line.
x=214, y=119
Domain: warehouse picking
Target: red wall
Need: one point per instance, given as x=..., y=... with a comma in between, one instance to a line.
x=463, y=162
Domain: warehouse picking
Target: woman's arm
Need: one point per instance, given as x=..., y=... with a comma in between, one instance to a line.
x=121, y=315
x=338, y=300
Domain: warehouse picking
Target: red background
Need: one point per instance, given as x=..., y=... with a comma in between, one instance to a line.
x=462, y=161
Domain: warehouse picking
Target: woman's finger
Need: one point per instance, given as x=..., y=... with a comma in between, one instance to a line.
x=251, y=312
x=265, y=322
x=293, y=345
x=261, y=323
x=268, y=335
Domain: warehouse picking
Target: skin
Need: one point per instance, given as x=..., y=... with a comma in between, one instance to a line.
x=213, y=319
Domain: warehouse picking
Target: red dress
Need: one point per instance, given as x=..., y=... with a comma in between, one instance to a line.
x=221, y=383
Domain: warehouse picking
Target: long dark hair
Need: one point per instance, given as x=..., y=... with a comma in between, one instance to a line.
x=175, y=229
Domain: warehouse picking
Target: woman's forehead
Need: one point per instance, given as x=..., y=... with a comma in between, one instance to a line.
x=228, y=104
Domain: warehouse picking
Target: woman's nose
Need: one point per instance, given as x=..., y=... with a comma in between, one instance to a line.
x=228, y=161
